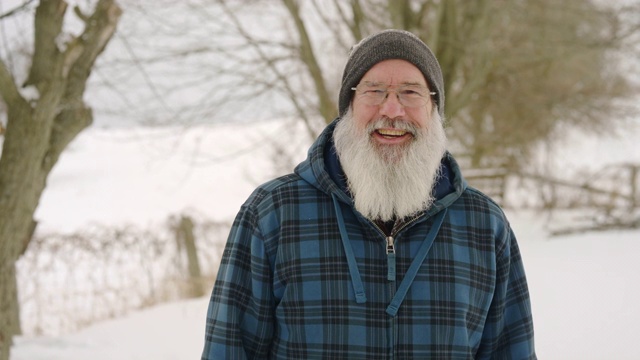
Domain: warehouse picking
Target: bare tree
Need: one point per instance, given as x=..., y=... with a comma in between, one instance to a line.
x=546, y=67
x=516, y=72
x=39, y=127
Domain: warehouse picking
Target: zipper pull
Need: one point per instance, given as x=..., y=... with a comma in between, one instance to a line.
x=390, y=247
x=391, y=259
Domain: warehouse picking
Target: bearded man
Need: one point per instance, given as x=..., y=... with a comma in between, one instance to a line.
x=375, y=247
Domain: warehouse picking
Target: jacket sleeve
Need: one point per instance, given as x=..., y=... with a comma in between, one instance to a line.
x=508, y=332
x=240, y=315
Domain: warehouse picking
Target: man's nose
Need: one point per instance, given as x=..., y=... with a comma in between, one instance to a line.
x=391, y=106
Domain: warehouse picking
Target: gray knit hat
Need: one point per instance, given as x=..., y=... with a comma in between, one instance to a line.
x=385, y=45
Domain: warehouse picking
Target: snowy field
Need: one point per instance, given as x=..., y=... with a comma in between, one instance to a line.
x=584, y=288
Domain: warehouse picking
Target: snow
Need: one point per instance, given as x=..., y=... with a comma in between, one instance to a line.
x=584, y=291
x=166, y=332
x=142, y=175
x=583, y=287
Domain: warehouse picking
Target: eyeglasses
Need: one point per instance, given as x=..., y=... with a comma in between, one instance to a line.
x=410, y=96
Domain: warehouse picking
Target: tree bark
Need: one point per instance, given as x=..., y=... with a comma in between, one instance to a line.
x=37, y=132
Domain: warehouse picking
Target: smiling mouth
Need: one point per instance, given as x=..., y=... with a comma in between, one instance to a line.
x=391, y=133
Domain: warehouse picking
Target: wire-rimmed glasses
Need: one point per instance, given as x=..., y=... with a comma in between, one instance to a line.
x=409, y=95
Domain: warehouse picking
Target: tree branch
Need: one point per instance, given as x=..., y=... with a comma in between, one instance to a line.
x=330, y=23
x=48, y=26
x=326, y=105
x=8, y=90
x=80, y=58
x=358, y=19
x=16, y=9
x=292, y=95
x=99, y=29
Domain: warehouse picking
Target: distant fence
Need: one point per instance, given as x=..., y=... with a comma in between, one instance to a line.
x=612, y=187
x=491, y=181
x=605, y=199
x=490, y=176
x=67, y=281
x=602, y=200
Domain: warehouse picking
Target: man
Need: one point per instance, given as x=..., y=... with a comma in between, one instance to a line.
x=375, y=247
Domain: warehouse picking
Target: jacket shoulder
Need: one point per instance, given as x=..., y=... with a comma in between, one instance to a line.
x=479, y=202
x=285, y=186
x=478, y=212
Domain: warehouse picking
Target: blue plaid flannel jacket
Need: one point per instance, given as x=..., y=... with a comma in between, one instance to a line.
x=305, y=276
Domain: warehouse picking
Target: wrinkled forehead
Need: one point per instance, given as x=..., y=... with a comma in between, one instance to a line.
x=394, y=72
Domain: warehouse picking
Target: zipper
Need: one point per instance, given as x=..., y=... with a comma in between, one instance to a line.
x=395, y=231
x=391, y=277
x=391, y=248
x=391, y=259
x=392, y=338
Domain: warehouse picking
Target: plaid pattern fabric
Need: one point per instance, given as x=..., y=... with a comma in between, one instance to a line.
x=285, y=291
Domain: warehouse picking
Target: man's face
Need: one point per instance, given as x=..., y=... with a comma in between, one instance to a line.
x=397, y=74
x=390, y=152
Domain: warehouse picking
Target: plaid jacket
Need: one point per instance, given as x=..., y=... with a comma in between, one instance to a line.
x=305, y=276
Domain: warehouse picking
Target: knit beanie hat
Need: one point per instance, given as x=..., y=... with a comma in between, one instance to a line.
x=386, y=45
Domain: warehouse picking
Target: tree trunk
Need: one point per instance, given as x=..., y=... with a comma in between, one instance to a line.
x=20, y=189
x=9, y=307
x=39, y=130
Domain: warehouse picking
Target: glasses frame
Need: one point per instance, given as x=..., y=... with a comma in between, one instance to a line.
x=388, y=90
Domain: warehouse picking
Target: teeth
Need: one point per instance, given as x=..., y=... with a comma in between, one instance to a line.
x=391, y=132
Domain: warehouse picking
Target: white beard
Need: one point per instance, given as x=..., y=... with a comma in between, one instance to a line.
x=390, y=182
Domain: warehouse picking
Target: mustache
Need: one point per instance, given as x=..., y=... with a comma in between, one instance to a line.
x=396, y=123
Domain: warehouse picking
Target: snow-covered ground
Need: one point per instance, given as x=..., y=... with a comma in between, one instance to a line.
x=583, y=287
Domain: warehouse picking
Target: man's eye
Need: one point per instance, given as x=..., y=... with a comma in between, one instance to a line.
x=374, y=91
x=409, y=92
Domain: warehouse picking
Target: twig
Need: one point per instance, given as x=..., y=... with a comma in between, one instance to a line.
x=16, y=10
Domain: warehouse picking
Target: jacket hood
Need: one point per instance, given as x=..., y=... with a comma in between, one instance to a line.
x=322, y=169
